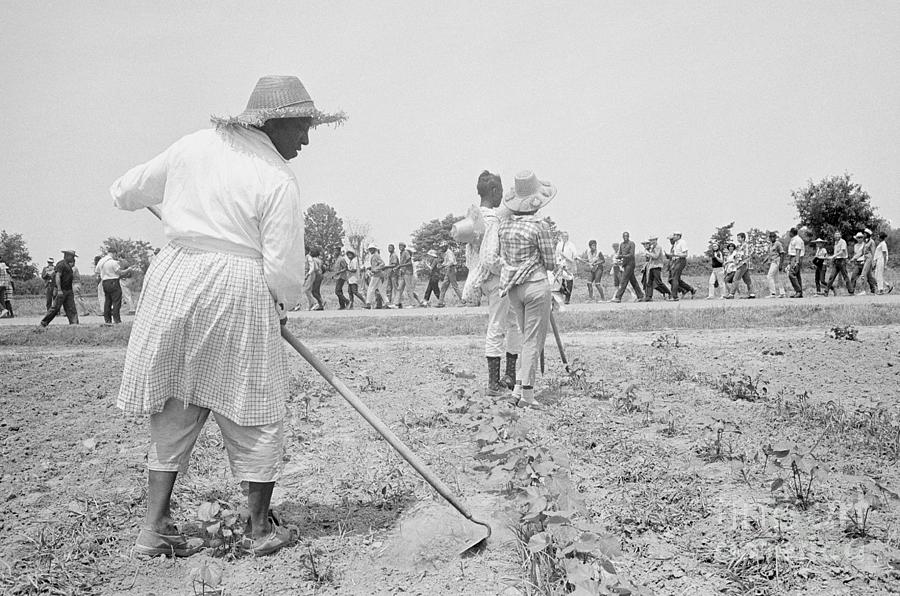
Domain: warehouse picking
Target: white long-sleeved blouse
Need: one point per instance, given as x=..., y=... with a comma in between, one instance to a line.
x=226, y=190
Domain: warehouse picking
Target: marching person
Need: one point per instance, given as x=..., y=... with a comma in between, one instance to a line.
x=742, y=266
x=6, y=290
x=838, y=257
x=110, y=271
x=206, y=337
x=655, y=260
x=565, y=265
x=448, y=268
x=796, y=252
x=869, y=260
x=775, y=260
x=679, y=261
x=406, y=279
x=859, y=262
x=392, y=275
x=341, y=272
x=503, y=335
x=528, y=255
x=730, y=269
x=819, y=261
x=64, y=295
x=595, y=262
x=626, y=256
x=49, y=284
x=353, y=278
x=881, y=258
x=432, y=265
x=717, y=275
x=375, y=292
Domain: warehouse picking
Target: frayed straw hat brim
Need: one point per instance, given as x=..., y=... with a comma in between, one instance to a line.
x=259, y=117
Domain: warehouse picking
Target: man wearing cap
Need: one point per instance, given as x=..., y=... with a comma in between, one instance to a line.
x=206, y=337
x=626, y=256
x=64, y=296
x=796, y=252
x=859, y=262
x=502, y=335
x=655, y=260
x=775, y=259
x=679, y=262
x=49, y=284
x=449, y=272
x=433, y=268
x=6, y=288
x=838, y=258
x=528, y=254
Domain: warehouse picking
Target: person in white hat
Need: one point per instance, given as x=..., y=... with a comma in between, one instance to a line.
x=775, y=256
x=859, y=265
x=655, y=258
x=406, y=278
x=433, y=267
x=47, y=274
x=341, y=272
x=527, y=250
x=796, y=251
x=63, y=291
x=448, y=268
x=679, y=255
x=819, y=260
x=353, y=274
x=502, y=335
x=206, y=337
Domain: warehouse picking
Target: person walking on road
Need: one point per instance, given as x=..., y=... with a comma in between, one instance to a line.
x=392, y=275
x=353, y=279
x=448, y=268
x=528, y=255
x=341, y=271
x=6, y=290
x=881, y=259
x=626, y=255
x=775, y=260
x=433, y=268
x=679, y=262
x=742, y=266
x=796, y=252
x=859, y=263
x=717, y=275
x=838, y=258
x=375, y=291
x=655, y=261
x=565, y=265
x=406, y=279
x=110, y=271
x=207, y=337
x=502, y=335
x=595, y=262
x=49, y=284
x=819, y=261
x=64, y=296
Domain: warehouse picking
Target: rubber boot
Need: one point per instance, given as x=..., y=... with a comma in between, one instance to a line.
x=509, y=379
x=494, y=387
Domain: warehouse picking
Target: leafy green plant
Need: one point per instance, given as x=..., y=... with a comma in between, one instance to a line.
x=206, y=579
x=799, y=472
x=848, y=332
x=222, y=525
x=741, y=386
x=868, y=497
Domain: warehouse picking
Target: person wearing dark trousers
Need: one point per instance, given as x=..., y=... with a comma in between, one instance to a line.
x=110, y=271
x=340, y=278
x=655, y=258
x=796, y=252
x=6, y=288
x=859, y=263
x=433, y=266
x=65, y=296
x=679, y=260
x=353, y=279
x=626, y=256
x=839, y=259
x=49, y=284
x=819, y=262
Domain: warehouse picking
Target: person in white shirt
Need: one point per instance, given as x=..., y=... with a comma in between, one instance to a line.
x=353, y=279
x=881, y=259
x=110, y=271
x=448, y=267
x=565, y=265
x=839, y=265
x=207, y=336
x=796, y=252
x=502, y=335
x=679, y=256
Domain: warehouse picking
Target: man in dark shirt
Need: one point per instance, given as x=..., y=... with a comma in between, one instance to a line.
x=64, y=297
x=626, y=256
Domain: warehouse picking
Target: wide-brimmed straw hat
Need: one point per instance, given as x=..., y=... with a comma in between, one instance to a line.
x=279, y=97
x=867, y=231
x=528, y=194
x=371, y=245
x=652, y=239
x=859, y=235
x=817, y=240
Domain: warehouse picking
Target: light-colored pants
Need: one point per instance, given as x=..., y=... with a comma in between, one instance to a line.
x=775, y=284
x=405, y=286
x=531, y=304
x=503, y=333
x=255, y=453
x=717, y=275
x=879, y=274
x=376, y=284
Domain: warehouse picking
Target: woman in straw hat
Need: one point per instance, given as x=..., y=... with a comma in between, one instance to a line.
x=206, y=337
x=528, y=254
x=819, y=260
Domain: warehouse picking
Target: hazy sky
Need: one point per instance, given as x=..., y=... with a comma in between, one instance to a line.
x=648, y=116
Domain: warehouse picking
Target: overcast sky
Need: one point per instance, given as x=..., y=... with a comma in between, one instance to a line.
x=648, y=116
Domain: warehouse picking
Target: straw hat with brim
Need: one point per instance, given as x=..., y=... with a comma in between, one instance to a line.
x=279, y=97
x=818, y=241
x=652, y=239
x=371, y=246
x=859, y=235
x=50, y=261
x=528, y=194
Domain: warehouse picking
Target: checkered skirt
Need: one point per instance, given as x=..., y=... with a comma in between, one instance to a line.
x=207, y=333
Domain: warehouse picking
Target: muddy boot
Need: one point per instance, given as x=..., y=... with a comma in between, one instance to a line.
x=509, y=379
x=494, y=387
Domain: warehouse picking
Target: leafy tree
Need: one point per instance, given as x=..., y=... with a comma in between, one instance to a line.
x=758, y=241
x=130, y=253
x=324, y=230
x=835, y=203
x=431, y=234
x=721, y=237
x=14, y=253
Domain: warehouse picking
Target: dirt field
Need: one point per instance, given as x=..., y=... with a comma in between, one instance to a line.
x=668, y=448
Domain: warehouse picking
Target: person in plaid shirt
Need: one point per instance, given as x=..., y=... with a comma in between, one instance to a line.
x=742, y=266
x=527, y=250
x=6, y=311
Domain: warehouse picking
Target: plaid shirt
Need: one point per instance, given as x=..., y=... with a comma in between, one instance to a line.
x=5, y=282
x=526, y=249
